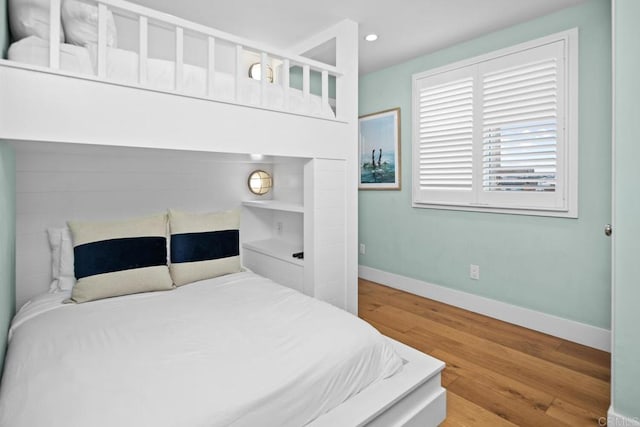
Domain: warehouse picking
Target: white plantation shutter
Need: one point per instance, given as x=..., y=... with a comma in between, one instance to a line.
x=492, y=132
x=522, y=128
x=444, y=155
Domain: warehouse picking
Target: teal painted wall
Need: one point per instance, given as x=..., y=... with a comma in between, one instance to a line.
x=554, y=265
x=7, y=242
x=626, y=315
x=4, y=28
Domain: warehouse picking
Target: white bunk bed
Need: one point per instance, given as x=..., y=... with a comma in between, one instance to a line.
x=160, y=104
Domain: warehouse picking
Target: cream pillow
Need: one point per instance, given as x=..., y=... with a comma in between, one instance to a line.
x=120, y=257
x=203, y=245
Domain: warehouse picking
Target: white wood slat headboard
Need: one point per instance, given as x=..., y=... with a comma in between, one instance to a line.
x=59, y=182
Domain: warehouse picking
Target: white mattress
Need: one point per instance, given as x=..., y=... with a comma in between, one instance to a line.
x=237, y=350
x=122, y=67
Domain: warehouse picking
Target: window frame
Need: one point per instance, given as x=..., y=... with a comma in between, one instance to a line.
x=567, y=165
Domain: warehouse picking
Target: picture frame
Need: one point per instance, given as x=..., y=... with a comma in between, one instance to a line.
x=379, y=151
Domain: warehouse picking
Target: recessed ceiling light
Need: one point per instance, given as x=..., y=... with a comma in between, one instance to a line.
x=371, y=37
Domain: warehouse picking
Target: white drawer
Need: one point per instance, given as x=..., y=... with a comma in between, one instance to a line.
x=282, y=272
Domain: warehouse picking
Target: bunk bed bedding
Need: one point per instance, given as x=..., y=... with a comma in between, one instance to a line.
x=122, y=67
x=235, y=350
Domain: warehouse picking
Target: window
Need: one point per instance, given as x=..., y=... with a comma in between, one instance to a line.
x=499, y=133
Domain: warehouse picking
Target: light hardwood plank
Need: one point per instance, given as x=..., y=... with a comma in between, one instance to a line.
x=415, y=342
x=448, y=377
x=600, y=358
x=463, y=413
x=509, y=388
x=525, y=340
x=509, y=407
x=578, y=388
x=574, y=415
x=526, y=368
x=497, y=373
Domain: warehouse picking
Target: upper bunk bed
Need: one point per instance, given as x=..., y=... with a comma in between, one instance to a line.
x=111, y=72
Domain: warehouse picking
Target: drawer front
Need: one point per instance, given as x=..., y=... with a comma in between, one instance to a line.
x=279, y=271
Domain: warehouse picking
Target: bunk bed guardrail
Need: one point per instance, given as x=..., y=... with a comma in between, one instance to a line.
x=145, y=15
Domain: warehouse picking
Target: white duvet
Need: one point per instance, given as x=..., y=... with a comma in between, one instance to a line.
x=237, y=350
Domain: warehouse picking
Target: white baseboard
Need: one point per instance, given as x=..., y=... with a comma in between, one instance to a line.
x=615, y=420
x=570, y=330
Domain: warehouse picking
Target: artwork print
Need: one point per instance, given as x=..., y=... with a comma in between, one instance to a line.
x=380, y=150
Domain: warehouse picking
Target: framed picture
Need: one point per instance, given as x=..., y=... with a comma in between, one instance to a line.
x=380, y=150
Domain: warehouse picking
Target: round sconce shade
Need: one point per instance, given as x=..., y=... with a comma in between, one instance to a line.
x=260, y=182
x=255, y=72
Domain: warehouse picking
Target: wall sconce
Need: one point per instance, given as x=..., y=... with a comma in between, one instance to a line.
x=260, y=182
x=255, y=72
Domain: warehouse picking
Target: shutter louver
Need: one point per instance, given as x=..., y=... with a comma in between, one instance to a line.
x=445, y=136
x=520, y=128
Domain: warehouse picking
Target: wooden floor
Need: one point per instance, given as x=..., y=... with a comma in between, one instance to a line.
x=497, y=374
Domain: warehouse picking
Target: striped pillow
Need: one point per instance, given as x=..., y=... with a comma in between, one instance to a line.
x=120, y=257
x=204, y=245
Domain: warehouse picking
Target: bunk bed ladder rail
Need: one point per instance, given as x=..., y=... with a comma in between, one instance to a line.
x=54, y=34
x=212, y=38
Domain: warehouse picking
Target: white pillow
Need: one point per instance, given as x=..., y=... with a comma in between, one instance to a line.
x=55, y=240
x=30, y=18
x=61, y=259
x=80, y=22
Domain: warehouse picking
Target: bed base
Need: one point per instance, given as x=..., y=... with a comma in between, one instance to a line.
x=412, y=397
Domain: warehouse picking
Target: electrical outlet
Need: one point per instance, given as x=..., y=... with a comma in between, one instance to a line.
x=363, y=249
x=279, y=227
x=474, y=271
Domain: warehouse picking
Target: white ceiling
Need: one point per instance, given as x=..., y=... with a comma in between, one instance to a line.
x=407, y=28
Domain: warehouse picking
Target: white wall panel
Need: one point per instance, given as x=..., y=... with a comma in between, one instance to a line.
x=289, y=180
x=326, y=242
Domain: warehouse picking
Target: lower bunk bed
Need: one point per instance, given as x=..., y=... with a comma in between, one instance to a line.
x=236, y=350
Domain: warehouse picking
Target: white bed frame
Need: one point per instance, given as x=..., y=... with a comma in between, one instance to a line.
x=50, y=105
x=413, y=397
